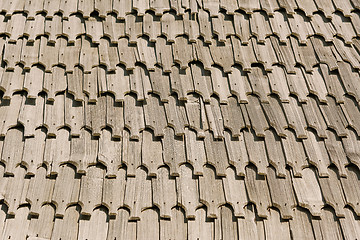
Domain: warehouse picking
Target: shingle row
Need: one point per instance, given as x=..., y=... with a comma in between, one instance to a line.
x=121, y=8
x=96, y=206
x=202, y=25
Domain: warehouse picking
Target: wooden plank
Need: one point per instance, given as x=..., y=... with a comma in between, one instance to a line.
x=74, y=114
x=131, y=153
x=181, y=82
x=160, y=83
x=138, y=194
x=73, y=27
x=42, y=227
x=200, y=228
x=295, y=117
x=68, y=8
x=276, y=156
x=83, y=151
x=121, y=8
x=70, y=51
x=96, y=227
x=260, y=26
x=333, y=192
x=328, y=221
x=48, y=54
x=232, y=116
x=86, y=8
x=304, y=54
x=308, y=192
x=256, y=150
x=260, y=84
x=191, y=26
x=90, y=195
x=351, y=147
x=17, y=227
x=324, y=53
x=195, y=111
x=32, y=157
x=257, y=117
x=351, y=191
x=275, y=115
x=114, y=117
x=202, y=81
x=12, y=151
x=126, y=54
x=216, y=154
x=170, y=27
x=182, y=52
x=164, y=54
x=54, y=83
x=109, y=153
x=133, y=27
x=195, y=151
x=334, y=117
x=108, y=55
x=9, y=113
x=265, y=54
x=146, y=52
x=284, y=54
x=113, y=192
x=202, y=54
x=36, y=196
x=67, y=227
x=164, y=190
x=235, y=192
x=275, y=228
x=243, y=54
x=349, y=224
x=239, y=84
x=247, y=226
x=51, y=7
x=282, y=194
x=205, y=26
x=29, y=114
x=297, y=85
x=148, y=227
x=176, y=226
x=314, y=117
x=15, y=27
x=151, y=27
x=222, y=54
x=215, y=119
x=226, y=224
x=237, y=153
x=118, y=83
x=134, y=122
x=317, y=154
x=33, y=82
x=301, y=224
x=12, y=81
x=277, y=84
x=54, y=115
x=187, y=189
x=94, y=29
x=34, y=28
x=121, y=227
x=316, y=84
x=57, y=151
x=89, y=56
x=279, y=26
x=257, y=190
x=301, y=27
x=30, y=53
x=95, y=116
x=12, y=53
x=15, y=191
x=154, y=113
x=174, y=151
x=220, y=84
x=151, y=153
x=333, y=85
x=294, y=153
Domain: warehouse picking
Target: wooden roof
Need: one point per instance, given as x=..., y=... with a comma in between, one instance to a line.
x=179, y=119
